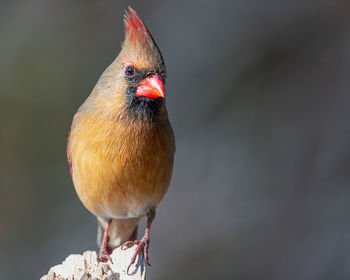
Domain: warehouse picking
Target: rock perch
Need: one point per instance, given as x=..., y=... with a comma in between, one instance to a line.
x=86, y=267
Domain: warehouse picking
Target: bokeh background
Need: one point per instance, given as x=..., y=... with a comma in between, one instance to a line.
x=258, y=95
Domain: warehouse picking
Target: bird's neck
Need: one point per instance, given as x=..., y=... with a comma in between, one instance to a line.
x=126, y=109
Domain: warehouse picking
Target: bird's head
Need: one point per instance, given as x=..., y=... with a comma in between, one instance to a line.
x=136, y=78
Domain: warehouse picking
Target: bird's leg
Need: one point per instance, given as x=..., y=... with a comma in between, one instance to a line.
x=103, y=255
x=143, y=244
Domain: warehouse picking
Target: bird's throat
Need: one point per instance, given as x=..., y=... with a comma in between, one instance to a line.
x=144, y=108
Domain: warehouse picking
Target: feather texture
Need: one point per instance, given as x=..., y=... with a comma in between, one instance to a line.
x=121, y=168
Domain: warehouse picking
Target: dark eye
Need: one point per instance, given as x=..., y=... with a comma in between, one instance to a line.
x=129, y=71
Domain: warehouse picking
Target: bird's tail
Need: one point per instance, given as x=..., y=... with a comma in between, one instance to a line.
x=120, y=231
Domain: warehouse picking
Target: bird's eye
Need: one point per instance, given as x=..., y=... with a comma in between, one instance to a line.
x=129, y=71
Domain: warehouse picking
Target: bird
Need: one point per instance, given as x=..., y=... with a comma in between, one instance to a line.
x=121, y=145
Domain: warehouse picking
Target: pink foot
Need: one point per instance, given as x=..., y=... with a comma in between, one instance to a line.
x=103, y=256
x=142, y=247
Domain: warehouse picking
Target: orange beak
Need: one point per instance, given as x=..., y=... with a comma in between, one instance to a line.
x=152, y=87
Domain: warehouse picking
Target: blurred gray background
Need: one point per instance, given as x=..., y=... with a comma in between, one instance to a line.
x=258, y=95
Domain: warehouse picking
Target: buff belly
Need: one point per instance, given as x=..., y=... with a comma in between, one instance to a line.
x=113, y=181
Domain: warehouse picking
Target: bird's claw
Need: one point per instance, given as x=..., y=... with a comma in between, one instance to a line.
x=142, y=248
x=104, y=257
x=128, y=244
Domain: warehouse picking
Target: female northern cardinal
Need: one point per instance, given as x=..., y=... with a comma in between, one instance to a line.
x=121, y=145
